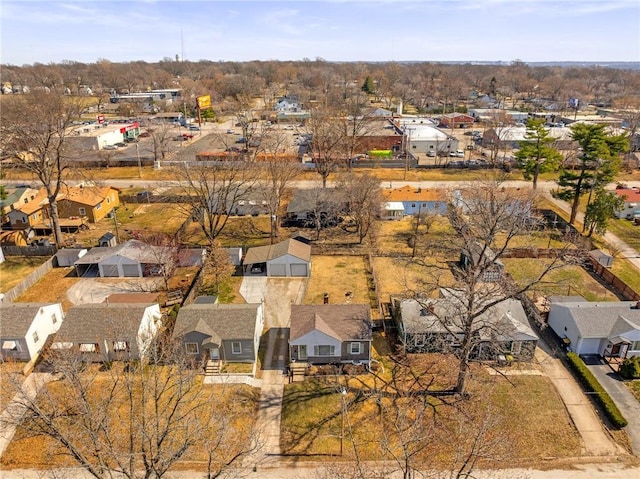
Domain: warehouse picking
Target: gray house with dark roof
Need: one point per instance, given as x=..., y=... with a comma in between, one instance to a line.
x=434, y=325
x=287, y=258
x=610, y=329
x=330, y=333
x=25, y=327
x=108, y=331
x=220, y=332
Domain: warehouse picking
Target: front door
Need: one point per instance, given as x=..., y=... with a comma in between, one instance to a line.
x=302, y=352
x=214, y=354
x=615, y=350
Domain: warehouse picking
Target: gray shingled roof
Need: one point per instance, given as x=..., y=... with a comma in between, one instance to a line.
x=601, y=319
x=132, y=249
x=16, y=318
x=341, y=321
x=262, y=254
x=98, y=321
x=226, y=321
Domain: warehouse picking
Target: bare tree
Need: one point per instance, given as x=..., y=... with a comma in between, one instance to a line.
x=160, y=140
x=213, y=192
x=166, y=251
x=217, y=268
x=327, y=142
x=135, y=418
x=34, y=132
x=363, y=198
x=278, y=174
x=486, y=219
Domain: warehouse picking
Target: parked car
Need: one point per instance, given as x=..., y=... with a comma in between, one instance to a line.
x=194, y=128
x=230, y=131
x=121, y=145
x=110, y=147
x=144, y=195
x=242, y=139
x=144, y=134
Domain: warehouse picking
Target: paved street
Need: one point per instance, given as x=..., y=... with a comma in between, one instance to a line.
x=626, y=402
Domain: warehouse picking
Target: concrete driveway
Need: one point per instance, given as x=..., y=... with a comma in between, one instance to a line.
x=626, y=402
x=252, y=288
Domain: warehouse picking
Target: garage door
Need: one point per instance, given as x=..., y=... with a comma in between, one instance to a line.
x=298, y=269
x=110, y=270
x=130, y=270
x=277, y=270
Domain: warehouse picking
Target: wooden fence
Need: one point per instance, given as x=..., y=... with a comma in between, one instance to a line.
x=29, y=281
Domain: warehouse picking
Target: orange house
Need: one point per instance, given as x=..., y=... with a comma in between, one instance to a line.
x=92, y=202
x=31, y=213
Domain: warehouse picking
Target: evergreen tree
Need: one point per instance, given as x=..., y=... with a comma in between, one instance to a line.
x=601, y=210
x=599, y=163
x=368, y=87
x=536, y=155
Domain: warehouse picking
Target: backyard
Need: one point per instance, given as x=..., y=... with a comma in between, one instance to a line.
x=337, y=276
x=15, y=268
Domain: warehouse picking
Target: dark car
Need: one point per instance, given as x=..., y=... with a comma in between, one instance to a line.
x=120, y=145
x=242, y=139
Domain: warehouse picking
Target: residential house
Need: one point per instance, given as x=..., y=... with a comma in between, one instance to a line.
x=68, y=256
x=308, y=204
x=435, y=325
x=30, y=213
x=288, y=104
x=287, y=258
x=92, y=202
x=457, y=120
x=109, y=331
x=25, y=328
x=609, y=329
x=330, y=333
x=220, y=332
x=631, y=198
x=16, y=197
x=417, y=200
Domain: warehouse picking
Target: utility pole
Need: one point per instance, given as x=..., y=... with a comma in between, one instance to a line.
x=139, y=164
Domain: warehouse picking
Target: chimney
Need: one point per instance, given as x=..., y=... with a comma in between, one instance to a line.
x=325, y=298
x=638, y=305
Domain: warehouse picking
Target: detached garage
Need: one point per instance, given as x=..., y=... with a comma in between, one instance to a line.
x=290, y=258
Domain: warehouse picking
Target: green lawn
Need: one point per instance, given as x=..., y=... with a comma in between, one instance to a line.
x=627, y=232
x=569, y=280
x=634, y=387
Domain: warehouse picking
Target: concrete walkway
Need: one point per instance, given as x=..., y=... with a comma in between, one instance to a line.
x=626, y=402
x=15, y=410
x=252, y=288
x=595, y=440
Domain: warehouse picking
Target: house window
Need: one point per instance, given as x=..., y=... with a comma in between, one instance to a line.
x=26, y=200
x=108, y=200
x=635, y=346
x=324, y=350
x=516, y=346
x=98, y=206
x=82, y=211
x=191, y=348
x=413, y=205
x=54, y=319
x=35, y=337
x=88, y=348
x=354, y=348
x=120, y=346
x=236, y=348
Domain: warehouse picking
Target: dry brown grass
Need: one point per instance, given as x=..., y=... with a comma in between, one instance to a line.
x=42, y=452
x=15, y=268
x=337, y=275
x=530, y=419
x=52, y=288
x=11, y=378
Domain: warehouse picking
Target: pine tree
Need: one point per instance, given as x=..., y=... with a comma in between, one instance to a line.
x=536, y=155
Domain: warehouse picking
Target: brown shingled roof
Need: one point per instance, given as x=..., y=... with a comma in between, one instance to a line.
x=341, y=321
x=408, y=193
x=262, y=254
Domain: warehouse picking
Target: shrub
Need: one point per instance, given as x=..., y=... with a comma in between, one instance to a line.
x=591, y=384
x=630, y=368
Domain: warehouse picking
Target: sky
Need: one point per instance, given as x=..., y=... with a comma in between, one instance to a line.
x=48, y=31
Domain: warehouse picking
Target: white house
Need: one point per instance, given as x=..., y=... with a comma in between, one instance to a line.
x=108, y=331
x=610, y=329
x=422, y=136
x=631, y=198
x=25, y=327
